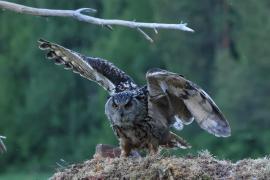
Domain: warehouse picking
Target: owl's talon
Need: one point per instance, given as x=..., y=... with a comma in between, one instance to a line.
x=123, y=154
x=153, y=150
x=132, y=154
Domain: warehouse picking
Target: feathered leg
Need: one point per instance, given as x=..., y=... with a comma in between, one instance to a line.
x=153, y=149
x=125, y=148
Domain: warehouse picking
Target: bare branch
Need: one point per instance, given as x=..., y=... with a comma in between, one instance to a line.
x=155, y=30
x=109, y=27
x=78, y=15
x=2, y=145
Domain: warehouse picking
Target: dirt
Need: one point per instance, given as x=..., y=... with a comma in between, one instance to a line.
x=202, y=166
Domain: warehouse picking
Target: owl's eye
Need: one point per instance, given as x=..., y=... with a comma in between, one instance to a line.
x=114, y=105
x=128, y=105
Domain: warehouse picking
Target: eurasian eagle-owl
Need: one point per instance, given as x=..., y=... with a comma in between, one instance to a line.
x=142, y=116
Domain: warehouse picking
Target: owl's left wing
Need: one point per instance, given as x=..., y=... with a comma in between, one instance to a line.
x=173, y=98
x=99, y=70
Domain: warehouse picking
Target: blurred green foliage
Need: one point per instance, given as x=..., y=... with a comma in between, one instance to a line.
x=48, y=113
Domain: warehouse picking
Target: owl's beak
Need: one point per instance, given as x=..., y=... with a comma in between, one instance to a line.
x=121, y=113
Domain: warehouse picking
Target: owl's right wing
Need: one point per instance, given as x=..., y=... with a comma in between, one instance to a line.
x=2, y=146
x=99, y=70
x=173, y=98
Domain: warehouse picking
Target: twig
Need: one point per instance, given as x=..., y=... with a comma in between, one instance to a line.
x=2, y=145
x=78, y=15
x=145, y=35
x=155, y=30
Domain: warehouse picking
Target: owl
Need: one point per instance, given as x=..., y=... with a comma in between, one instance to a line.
x=142, y=117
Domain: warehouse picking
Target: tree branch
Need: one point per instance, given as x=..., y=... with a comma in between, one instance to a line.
x=145, y=35
x=78, y=15
x=2, y=145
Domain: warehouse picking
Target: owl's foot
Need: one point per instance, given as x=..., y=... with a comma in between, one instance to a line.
x=153, y=150
x=132, y=154
x=124, y=154
x=127, y=150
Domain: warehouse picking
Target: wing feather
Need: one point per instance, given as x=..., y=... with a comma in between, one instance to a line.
x=186, y=100
x=99, y=70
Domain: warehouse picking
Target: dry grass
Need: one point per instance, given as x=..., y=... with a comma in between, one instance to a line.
x=203, y=166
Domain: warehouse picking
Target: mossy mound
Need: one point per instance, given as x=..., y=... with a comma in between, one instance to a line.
x=203, y=166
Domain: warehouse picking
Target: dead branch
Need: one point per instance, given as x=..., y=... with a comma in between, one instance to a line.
x=80, y=15
x=2, y=145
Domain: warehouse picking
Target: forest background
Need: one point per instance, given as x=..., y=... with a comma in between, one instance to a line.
x=48, y=113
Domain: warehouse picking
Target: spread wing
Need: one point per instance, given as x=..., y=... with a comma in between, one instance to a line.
x=99, y=70
x=173, y=99
x=2, y=145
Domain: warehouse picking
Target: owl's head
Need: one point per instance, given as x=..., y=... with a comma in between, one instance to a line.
x=124, y=108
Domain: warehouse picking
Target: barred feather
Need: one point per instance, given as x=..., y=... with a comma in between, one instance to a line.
x=185, y=99
x=95, y=69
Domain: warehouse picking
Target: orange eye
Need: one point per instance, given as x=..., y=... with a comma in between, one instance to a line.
x=128, y=105
x=114, y=105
